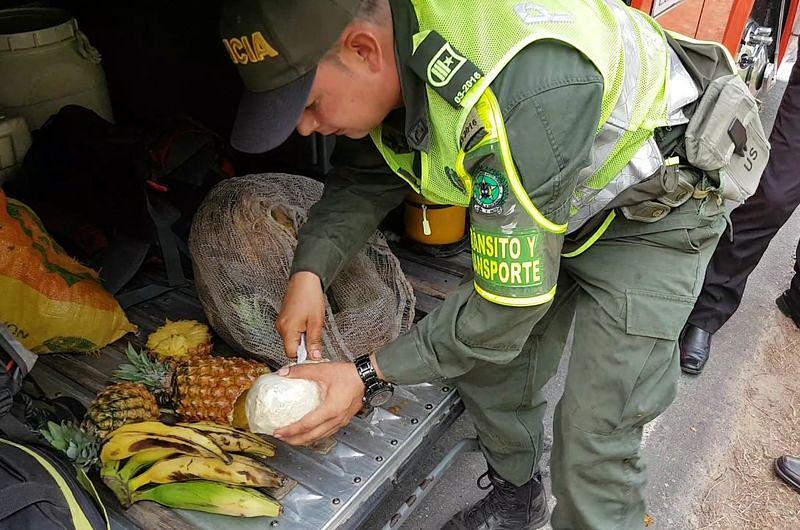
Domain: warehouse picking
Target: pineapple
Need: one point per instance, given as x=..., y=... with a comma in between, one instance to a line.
x=80, y=447
x=202, y=388
x=117, y=405
x=180, y=340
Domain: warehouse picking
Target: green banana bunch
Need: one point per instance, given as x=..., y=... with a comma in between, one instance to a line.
x=211, y=497
x=117, y=476
x=191, y=467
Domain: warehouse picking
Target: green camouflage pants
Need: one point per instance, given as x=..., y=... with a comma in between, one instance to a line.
x=629, y=296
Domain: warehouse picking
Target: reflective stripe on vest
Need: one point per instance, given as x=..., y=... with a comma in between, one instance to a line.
x=606, y=176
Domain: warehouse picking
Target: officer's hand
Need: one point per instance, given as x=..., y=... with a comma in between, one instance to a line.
x=303, y=310
x=342, y=398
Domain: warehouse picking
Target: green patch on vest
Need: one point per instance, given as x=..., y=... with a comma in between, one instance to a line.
x=489, y=191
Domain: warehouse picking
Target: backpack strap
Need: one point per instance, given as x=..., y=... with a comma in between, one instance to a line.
x=6, y=393
x=142, y=294
x=13, y=428
x=121, y=261
x=23, y=494
x=79, y=519
x=164, y=215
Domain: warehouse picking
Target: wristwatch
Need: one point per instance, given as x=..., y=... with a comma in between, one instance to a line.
x=376, y=392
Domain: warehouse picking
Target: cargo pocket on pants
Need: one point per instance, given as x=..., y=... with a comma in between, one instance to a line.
x=657, y=315
x=661, y=317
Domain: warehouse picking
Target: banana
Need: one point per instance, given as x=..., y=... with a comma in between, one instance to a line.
x=109, y=468
x=142, y=460
x=212, y=497
x=232, y=439
x=128, y=444
x=162, y=429
x=183, y=433
x=211, y=427
x=116, y=476
x=109, y=473
x=243, y=471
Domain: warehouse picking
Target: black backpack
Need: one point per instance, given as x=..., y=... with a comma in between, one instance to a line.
x=40, y=489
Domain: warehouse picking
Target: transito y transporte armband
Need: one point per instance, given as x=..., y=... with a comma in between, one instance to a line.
x=515, y=249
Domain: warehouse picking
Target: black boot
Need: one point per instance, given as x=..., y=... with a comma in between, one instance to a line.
x=789, y=307
x=695, y=345
x=506, y=507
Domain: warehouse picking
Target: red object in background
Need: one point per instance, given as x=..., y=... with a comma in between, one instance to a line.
x=716, y=20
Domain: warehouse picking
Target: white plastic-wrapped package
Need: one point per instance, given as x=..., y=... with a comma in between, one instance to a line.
x=275, y=401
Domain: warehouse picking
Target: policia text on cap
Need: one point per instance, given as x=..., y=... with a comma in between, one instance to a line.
x=551, y=120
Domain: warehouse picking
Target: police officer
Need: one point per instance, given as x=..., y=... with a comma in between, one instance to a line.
x=557, y=123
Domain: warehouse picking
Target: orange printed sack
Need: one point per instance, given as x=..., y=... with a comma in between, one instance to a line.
x=48, y=300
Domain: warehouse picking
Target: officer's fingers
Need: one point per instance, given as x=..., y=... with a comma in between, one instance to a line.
x=293, y=316
x=340, y=422
x=291, y=338
x=314, y=336
x=295, y=433
x=290, y=343
x=321, y=431
x=312, y=372
x=336, y=428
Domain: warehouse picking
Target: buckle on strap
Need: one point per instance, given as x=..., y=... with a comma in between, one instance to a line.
x=646, y=211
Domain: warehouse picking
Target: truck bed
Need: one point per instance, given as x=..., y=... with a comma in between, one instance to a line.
x=337, y=489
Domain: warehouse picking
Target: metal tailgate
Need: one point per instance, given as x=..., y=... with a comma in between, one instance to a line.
x=340, y=488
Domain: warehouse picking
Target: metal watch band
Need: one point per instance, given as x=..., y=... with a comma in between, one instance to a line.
x=372, y=384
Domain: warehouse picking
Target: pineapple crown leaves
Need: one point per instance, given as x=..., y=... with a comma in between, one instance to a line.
x=79, y=446
x=142, y=369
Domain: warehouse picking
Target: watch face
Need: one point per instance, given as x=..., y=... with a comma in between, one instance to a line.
x=379, y=398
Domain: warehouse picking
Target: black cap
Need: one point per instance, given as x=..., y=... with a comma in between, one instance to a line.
x=276, y=46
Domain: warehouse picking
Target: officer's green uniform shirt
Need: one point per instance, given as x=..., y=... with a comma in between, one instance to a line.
x=551, y=98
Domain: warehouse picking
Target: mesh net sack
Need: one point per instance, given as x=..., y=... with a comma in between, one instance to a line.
x=242, y=244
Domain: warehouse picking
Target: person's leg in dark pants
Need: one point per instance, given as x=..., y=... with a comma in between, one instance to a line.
x=789, y=301
x=755, y=223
